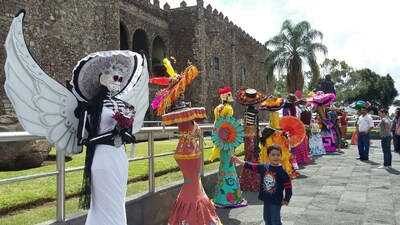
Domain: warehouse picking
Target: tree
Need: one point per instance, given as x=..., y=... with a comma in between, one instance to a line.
x=293, y=45
x=379, y=90
x=342, y=75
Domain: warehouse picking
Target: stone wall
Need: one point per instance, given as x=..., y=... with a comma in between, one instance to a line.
x=59, y=33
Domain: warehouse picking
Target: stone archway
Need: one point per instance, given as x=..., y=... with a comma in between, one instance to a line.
x=123, y=37
x=140, y=42
x=158, y=54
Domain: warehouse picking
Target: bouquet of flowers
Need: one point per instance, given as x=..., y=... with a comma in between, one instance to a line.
x=124, y=119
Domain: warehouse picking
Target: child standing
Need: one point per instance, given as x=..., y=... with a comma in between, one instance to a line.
x=274, y=180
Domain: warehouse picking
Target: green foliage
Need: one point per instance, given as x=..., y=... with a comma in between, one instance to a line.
x=294, y=45
x=353, y=85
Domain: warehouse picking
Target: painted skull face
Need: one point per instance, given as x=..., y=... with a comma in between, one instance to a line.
x=112, y=78
x=269, y=182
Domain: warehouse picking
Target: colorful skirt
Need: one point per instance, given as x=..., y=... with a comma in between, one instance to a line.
x=301, y=152
x=227, y=193
x=250, y=180
x=316, y=146
x=286, y=161
x=328, y=140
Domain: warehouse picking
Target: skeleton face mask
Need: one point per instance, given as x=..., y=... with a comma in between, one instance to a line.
x=112, y=78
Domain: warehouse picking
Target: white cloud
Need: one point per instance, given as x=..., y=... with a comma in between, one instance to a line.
x=364, y=33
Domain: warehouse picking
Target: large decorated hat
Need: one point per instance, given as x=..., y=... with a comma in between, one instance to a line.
x=225, y=94
x=123, y=67
x=272, y=103
x=197, y=114
x=249, y=96
x=166, y=98
x=228, y=133
x=323, y=99
x=292, y=99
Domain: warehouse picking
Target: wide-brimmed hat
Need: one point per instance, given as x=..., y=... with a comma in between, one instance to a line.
x=323, y=99
x=272, y=103
x=292, y=99
x=362, y=104
x=249, y=96
x=86, y=74
x=184, y=115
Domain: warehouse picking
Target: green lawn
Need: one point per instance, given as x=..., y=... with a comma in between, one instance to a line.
x=34, y=200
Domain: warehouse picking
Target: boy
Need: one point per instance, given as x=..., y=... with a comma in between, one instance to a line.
x=274, y=180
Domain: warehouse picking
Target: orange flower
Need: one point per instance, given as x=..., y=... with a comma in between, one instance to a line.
x=220, y=182
x=227, y=133
x=222, y=174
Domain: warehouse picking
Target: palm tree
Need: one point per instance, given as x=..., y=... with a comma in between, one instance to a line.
x=292, y=46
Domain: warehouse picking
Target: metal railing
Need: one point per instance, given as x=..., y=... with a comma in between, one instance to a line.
x=60, y=161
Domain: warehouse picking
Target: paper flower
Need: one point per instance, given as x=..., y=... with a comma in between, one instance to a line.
x=228, y=133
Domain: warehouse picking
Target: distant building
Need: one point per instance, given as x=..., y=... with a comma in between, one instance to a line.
x=59, y=33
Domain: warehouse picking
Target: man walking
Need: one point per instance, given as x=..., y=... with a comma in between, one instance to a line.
x=364, y=128
x=386, y=137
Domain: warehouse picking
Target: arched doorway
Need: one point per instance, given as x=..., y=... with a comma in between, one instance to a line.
x=158, y=55
x=123, y=37
x=140, y=42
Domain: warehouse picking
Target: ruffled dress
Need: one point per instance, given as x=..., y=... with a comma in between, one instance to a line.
x=192, y=206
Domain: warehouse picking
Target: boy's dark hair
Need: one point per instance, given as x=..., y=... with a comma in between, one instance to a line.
x=274, y=147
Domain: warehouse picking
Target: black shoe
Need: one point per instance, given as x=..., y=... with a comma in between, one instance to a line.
x=364, y=159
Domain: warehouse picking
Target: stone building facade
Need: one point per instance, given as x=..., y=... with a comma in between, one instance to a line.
x=60, y=32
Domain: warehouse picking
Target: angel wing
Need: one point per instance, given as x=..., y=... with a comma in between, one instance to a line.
x=137, y=94
x=44, y=107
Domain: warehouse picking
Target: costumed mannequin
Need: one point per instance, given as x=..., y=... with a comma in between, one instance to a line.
x=227, y=192
x=273, y=135
x=300, y=153
x=249, y=180
x=322, y=101
x=108, y=85
x=315, y=140
x=192, y=205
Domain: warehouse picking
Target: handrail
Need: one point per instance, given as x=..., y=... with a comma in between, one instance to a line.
x=60, y=161
x=61, y=170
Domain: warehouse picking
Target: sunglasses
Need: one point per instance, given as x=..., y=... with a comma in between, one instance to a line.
x=117, y=78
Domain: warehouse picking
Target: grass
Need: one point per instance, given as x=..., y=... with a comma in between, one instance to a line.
x=33, y=201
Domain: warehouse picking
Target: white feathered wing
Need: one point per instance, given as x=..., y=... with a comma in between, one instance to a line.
x=137, y=94
x=44, y=107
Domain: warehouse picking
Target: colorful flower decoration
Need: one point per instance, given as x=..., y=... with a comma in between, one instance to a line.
x=228, y=133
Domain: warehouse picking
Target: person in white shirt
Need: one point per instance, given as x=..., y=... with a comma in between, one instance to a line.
x=365, y=124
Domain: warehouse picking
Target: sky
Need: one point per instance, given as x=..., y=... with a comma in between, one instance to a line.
x=364, y=33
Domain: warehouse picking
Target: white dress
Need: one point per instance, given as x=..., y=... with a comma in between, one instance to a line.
x=109, y=179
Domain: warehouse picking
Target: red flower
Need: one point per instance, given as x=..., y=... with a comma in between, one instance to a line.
x=123, y=121
x=230, y=197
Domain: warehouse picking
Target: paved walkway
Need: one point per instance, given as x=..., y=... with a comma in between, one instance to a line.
x=335, y=189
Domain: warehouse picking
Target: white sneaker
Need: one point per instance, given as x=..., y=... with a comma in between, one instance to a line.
x=382, y=167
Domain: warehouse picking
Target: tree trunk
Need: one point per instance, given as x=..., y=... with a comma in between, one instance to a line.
x=295, y=80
